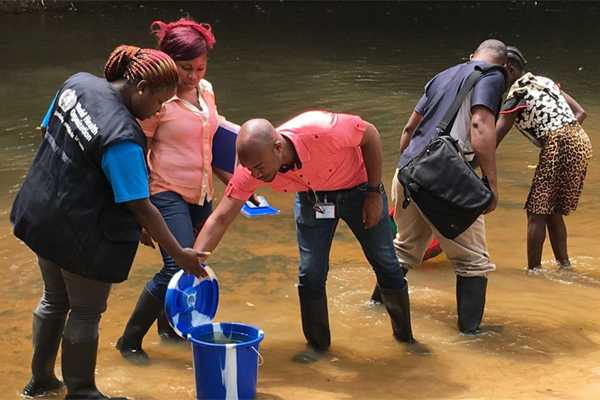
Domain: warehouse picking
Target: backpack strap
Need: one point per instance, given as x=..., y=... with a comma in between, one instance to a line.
x=469, y=83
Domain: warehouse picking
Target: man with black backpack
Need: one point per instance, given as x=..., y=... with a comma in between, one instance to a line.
x=460, y=104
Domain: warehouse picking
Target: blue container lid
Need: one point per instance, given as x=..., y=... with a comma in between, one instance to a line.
x=263, y=208
x=190, y=301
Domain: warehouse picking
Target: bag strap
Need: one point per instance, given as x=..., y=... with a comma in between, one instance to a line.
x=469, y=83
x=440, y=93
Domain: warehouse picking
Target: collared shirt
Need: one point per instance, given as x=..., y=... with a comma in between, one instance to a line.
x=328, y=146
x=487, y=92
x=180, y=146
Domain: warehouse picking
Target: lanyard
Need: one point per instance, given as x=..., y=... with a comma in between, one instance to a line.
x=316, y=205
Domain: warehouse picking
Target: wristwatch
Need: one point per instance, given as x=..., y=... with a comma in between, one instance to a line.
x=375, y=189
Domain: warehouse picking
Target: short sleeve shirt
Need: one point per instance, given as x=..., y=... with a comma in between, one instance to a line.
x=49, y=112
x=540, y=105
x=439, y=94
x=124, y=166
x=328, y=145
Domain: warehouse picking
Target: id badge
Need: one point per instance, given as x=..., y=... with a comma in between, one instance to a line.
x=328, y=211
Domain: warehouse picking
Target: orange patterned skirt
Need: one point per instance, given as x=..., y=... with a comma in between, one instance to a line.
x=558, y=179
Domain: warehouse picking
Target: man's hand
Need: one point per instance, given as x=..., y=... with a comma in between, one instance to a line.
x=372, y=209
x=146, y=239
x=254, y=199
x=191, y=261
x=494, y=202
x=483, y=140
x=372, y=155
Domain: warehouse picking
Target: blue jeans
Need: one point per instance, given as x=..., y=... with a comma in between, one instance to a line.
x=315, y=237
x=183, y=220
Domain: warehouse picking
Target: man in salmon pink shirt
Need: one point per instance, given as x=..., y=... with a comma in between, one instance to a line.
x=333, y=163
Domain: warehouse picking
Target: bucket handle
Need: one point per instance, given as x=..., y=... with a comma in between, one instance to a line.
x=261, y=360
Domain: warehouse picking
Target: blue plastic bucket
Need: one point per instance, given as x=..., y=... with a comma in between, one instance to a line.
x=226, y=359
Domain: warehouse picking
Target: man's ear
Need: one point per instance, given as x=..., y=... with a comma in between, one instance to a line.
x=470, y=56
x=278, y=146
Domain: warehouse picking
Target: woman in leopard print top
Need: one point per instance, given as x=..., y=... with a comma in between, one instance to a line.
x=552, y=120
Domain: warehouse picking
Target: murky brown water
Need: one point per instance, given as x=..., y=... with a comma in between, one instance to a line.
x=279, y=60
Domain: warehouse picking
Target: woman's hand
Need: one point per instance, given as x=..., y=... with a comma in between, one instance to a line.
x=494, y=202
x=146, y=239
x=191, y=261
x=224, y=176
x=372, y=209
x=149, y=217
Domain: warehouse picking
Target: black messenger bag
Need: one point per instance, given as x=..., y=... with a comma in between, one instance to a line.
x=439, y=180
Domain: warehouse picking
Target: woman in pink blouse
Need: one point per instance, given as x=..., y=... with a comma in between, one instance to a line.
x=179, y=158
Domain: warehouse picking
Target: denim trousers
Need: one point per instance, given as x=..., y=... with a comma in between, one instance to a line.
x=316, y=235
x=184, y=221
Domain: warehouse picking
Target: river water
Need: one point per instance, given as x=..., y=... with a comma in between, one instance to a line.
x=277, y=60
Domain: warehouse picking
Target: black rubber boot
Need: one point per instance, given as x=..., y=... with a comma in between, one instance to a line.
x=145, y=313
x=398, y=307
x=315, y=325
x=166, y=332
x=376, y=295
x=315, y=320
x=79, y=369
x=46, y=340
x=470, y=302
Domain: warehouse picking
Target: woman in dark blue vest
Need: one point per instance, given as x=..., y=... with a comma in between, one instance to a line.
x=81, y=207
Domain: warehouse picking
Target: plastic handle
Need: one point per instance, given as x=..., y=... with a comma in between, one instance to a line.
x=261, y=360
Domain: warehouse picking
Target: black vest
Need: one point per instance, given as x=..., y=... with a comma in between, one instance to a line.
x=65, y=210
